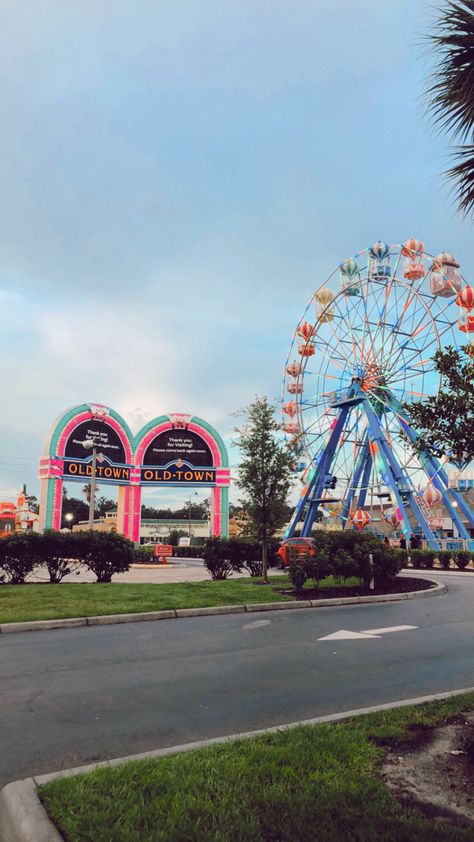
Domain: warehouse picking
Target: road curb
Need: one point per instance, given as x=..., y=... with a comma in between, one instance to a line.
x=24, y=819
x=178, y=613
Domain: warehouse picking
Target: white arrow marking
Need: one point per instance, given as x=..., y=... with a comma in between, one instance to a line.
x=368, y=634
x=343, y=634
x=257, y=624
x=389, y=629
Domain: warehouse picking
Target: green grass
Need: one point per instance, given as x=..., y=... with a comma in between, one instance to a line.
x=19, y=603
x=312, y=783
x=48, y=602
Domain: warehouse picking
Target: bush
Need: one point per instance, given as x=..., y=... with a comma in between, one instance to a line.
x=58, y=554
x=143, y=555
x=188, y=552
x=20, y=553
x=297, y=570
x=105, y=553
x=221, y=557
x=417, y=558
x=444, y=557
x=462, y=559
x=344, y=555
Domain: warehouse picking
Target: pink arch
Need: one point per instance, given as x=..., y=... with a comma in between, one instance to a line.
x=88, y=416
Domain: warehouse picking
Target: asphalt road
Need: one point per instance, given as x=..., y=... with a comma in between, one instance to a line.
x=76, y=696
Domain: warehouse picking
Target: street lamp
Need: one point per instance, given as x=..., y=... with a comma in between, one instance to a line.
x=89, y=444
x=69, y=518
x=190, y=502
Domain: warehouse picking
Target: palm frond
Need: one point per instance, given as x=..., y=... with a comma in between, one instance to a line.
x=451, y=94
x=463, y=174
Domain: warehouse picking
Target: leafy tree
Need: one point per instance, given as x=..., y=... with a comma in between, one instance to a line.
x=446, y=421
x=450, y=92
x=77, y=508
x=33, y=503
x=264, y=474
x=104, y=505
x=174, y=536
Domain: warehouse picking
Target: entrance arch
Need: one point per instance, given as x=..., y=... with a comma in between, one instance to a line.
x=65, y=459
x=176, y=450
x=182, y=451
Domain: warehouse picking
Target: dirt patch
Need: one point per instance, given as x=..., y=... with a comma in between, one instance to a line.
x=399, y=585
x=435, y=773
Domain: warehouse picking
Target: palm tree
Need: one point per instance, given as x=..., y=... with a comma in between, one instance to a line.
x=86, y=490
x=451, y=91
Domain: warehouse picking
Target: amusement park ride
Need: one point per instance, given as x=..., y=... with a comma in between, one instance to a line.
x=365, y=344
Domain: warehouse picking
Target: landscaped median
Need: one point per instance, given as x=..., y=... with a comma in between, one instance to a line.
x=334, y=781
x=77, y=603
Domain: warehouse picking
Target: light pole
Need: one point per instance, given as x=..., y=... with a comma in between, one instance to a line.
x=69, y=518
x=190, y=502
x=90, y=445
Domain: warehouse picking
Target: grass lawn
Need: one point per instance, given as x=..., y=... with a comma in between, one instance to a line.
x=48, y=602
x=19, y=603
x=312, y=783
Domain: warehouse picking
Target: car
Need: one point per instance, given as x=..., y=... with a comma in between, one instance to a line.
x=298, y=547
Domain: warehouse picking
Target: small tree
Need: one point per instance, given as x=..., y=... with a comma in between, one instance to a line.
x=446, y=420
x=264, y=474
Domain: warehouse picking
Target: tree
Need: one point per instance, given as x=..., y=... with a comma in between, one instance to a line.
x=104, y=505
x=77, y=508
x=264, y=474
x=446, y=421
x=33, y=503
x=86, y=490
x=450, y=92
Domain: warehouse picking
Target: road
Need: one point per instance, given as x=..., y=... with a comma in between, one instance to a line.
x=76, y=696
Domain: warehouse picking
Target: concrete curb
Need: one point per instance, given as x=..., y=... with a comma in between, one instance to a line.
x=24, y=819
x=173, y=614
x=22, y=815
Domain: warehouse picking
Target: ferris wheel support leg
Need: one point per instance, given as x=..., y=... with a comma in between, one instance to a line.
x=393, y=469
x=440, y=479
x=365, y=482
x=355, y=479
x=324, y=467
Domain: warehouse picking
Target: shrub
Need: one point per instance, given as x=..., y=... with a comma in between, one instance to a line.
x=249, y=554
x=58, y=554
x=297, y=571
x=19, y=555
x=462, y=559
x=345, y=555
x=444, y=557
x=418, y=559
x=188, y=552
x=105, y=553
x=221, y=557
x=143, y=555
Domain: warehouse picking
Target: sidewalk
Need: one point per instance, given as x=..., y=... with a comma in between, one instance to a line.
x=181, y=570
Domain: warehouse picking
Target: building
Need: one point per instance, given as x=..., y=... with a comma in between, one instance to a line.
x=152, y=530
x=16, y=517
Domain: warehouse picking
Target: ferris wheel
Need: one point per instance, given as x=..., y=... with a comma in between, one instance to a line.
x=361, y=352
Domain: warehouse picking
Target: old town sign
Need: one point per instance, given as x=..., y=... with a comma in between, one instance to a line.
x=178, y=456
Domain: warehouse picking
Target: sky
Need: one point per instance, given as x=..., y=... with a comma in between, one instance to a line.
x=177, y=178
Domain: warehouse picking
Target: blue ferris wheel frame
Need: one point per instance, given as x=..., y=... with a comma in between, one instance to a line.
x=394, y=476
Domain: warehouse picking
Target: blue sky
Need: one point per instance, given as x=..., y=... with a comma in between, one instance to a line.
x=178, y=177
